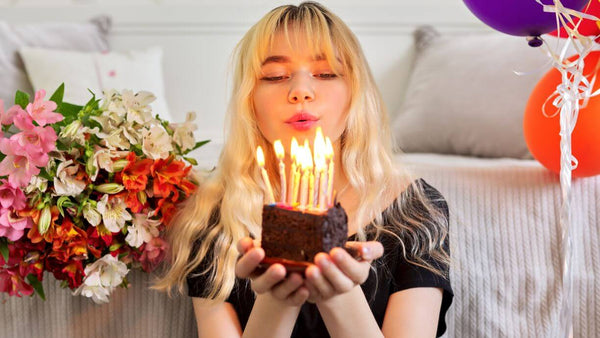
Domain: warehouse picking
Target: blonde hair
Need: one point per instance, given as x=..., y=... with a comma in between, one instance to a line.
x=228, y=204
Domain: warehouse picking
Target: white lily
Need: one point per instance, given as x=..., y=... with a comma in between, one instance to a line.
x=156, y=143
x=102, y=277
x=114, y=213
x=142, y=230
x=183, y=134
x=65, y=183
x=91, y=214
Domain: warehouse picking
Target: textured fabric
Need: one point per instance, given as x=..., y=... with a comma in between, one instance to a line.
x=134, y=312
x=394, y=274
x=505, y=244
x=506, y=271
x=463, y=96
x=89, y=36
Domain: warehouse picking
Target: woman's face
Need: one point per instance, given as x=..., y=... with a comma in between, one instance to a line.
x=298, y=91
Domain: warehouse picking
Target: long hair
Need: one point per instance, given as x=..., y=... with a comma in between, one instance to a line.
x=228, y=205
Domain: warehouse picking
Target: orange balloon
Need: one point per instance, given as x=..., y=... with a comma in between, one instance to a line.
x=542, y=133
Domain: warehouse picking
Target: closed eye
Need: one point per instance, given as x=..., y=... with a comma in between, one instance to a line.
x=274, y=78
x=326, y=75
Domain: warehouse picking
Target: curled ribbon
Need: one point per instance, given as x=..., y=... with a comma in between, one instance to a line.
x=568, y=98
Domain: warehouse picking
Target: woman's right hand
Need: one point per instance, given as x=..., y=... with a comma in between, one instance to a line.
x=289, y=290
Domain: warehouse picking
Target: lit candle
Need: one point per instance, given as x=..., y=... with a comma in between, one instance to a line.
x=320, y=167
x=294, y=176
x=280, y=155
x=329, y=156
x=260, y=157
x=311, y=190
x=304, y=180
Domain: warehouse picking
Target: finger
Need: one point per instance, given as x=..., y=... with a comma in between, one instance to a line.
x=248, y=262
x=369, y=250
x=333, y=275
x=265, y=282
x=244, y=245
x=356, y=271
x=314, y=276
x=286, y=288
x=299, y=296
x=313, y=293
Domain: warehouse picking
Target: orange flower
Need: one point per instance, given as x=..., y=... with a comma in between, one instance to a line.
x=33, y=234
x=133, y=202
x=69, y=242
x=135, y=174
x=167, y=210
x=167, y=175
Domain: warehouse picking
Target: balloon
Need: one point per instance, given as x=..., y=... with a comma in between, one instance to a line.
x=542, y=133
x=587, y=27
x=519, y=17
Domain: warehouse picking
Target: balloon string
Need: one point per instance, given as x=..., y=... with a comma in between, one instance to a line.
x=569, y=97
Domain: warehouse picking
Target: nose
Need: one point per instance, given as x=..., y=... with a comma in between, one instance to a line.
x=301, y=90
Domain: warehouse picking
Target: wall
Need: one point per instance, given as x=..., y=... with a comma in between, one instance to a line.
x=198, y=37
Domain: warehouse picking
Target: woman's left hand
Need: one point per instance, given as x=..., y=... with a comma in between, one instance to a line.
x=337, y=272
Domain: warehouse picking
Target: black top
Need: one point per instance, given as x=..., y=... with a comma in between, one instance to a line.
x=392, y=274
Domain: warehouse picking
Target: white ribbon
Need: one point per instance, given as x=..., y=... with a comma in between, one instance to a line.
x=571, y=95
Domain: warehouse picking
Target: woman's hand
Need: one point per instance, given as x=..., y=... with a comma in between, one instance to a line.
x=288, y=290
x=338, y=272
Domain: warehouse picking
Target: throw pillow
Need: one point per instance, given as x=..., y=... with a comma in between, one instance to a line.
x=463, y=96
x=80, y=72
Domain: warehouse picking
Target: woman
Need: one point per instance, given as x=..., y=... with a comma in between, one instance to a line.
x=298, y=68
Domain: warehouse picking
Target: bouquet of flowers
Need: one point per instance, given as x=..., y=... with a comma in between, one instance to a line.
x=86, y=192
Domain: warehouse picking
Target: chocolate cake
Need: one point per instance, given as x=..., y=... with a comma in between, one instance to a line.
x=298, y=236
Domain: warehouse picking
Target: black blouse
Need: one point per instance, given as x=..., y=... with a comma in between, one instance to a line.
x=392, y=273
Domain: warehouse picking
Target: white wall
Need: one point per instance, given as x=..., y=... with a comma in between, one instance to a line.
x=198, y=37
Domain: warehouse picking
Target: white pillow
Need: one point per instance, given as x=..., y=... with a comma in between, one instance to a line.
x=463, y=96
x=135, y=70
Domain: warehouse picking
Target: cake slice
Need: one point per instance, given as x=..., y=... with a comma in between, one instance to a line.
x=294, y=235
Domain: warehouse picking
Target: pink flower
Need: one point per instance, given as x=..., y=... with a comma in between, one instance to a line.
x=6, y=118
x=36, y=143
x=154, y=253
x=13, y=284
x=17, y=165
x=12, y=226
x=11, y=196
x=42, y=111
x=22, y=120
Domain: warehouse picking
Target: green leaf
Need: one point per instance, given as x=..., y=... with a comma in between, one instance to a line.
x=58, y=95
x=22, y=99
x=191, y=160
x=37, y=286
x=4, y=249
x=69, y=111
x=196, y=146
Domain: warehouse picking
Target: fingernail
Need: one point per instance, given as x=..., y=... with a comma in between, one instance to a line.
x=366, y=251
x=338, y=255
x=324, y=262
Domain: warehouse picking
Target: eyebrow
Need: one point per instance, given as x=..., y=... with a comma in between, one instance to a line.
x=285, y=59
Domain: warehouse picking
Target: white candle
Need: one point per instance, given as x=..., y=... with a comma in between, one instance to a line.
x=311, y=190
x=330, y=164
x=260, y=157
x=320, y=167
x=293, y=189
x=280, y=155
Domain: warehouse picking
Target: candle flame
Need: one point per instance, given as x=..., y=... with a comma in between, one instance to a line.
x=294, y=149
x=260, y=156
x=279, y=149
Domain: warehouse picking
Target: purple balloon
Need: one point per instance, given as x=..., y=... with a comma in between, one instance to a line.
x=519, y=17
